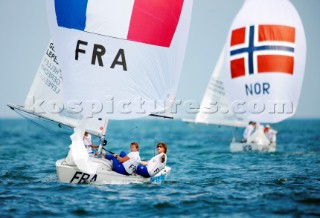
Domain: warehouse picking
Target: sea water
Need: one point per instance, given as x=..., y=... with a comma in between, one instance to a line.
x=206, y=179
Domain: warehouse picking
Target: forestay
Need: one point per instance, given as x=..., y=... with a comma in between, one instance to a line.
x=265, y=60
x=123, y=55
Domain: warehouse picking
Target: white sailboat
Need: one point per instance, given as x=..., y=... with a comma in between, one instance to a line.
x=123, y=56
x=265, y=56
x=46, y=90
x=262, y=67
x=255, y=142
x=215, y=110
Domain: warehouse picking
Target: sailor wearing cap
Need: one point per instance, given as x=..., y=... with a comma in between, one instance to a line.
x=270, y=134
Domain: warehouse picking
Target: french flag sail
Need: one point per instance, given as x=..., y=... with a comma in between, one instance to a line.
x=121, y=59
x=265, y=61
x=151, y=22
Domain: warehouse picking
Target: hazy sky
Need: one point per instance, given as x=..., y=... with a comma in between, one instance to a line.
x=25, y=35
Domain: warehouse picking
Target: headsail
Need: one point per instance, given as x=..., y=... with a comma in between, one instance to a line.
x=45, y=97
x=78, y=155
x=214, y=108
x=124, y=55
x=265, y=59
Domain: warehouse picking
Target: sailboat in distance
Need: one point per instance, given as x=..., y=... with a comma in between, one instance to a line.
x=119, y=60
x=265, y=60
x=262, y=67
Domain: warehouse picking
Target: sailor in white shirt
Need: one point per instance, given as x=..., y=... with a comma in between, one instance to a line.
x=248, y=131
x=156, y=164
x=271, y=134
x=88, y=143
x=126, y=163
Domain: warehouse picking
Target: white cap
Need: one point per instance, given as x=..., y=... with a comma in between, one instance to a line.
x=267, y=126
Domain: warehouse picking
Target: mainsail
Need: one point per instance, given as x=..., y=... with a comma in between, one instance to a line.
x=265, y=60
x=214, y=108
x=45, y=97
x=124, y=55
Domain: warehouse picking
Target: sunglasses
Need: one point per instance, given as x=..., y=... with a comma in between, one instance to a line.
x=159, y=146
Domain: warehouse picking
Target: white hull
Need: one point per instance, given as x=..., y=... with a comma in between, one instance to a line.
x=245, y=147
x=71, y=174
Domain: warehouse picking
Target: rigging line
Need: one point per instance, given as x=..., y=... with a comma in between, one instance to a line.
x=157, y=115
x=124, y=133
x=108, y=151
x=226, y=140
x=154, y=148
x=38, y=124
x=233, y=134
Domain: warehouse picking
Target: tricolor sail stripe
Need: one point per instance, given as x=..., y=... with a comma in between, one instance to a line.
x=134, y=20
x=262, y=49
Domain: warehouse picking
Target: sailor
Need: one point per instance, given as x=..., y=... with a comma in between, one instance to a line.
x=88, y=143
x=126, y=163
x=248, y=131
x=270, y=134
x=156, y=164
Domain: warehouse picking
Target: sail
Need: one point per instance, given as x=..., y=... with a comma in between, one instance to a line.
x=45, y=97
x=265, y=59
x=78, y=154
x=214, y=108
x=126, y=56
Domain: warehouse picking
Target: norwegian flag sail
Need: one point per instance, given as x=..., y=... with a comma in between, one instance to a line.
x=124, y=57
x=273, y=45
x=265, y=60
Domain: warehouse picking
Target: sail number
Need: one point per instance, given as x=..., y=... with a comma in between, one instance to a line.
x=247, y=147
x=257, y=89
x=157, y=179
x=80, y=177
x=98, y=52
